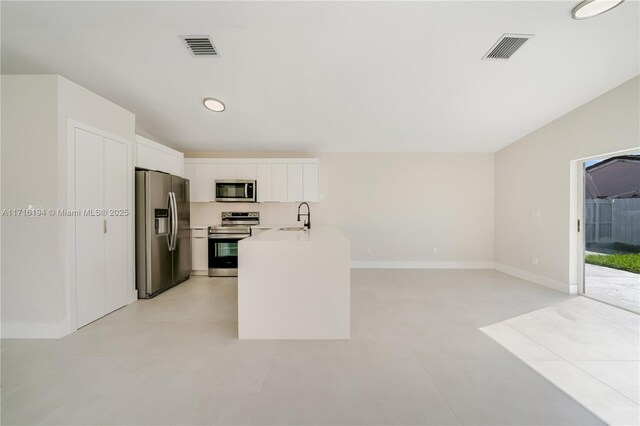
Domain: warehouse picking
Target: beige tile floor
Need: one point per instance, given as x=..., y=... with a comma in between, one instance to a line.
x=589, y=349
x=416, y=356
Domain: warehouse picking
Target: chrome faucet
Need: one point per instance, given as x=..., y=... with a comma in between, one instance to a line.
x=308, y=215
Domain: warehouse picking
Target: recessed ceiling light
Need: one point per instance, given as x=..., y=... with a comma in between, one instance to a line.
x=591, y=8
x=214, y=104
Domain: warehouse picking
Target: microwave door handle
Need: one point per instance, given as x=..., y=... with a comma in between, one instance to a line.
x=246, y=190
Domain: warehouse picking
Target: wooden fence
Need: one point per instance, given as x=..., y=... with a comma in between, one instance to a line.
x=612, y=221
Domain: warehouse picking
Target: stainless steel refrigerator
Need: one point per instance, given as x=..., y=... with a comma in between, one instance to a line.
x=163, y=237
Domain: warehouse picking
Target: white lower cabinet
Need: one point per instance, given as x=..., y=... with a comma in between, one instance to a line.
x=199, y=249
x=102, y=182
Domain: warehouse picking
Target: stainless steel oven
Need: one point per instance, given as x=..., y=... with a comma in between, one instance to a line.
x=223, y=242
x=236, y=190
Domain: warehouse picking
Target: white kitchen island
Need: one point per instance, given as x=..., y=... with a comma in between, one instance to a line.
x=294, y=284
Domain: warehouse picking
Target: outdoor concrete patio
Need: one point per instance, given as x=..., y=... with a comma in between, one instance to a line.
x=619, y=288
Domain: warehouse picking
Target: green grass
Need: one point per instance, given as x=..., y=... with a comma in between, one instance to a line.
x=625, y=262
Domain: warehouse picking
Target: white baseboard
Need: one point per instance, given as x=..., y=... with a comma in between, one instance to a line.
x=200, y=273
x=392, y=264
x=538, y=279
x=29, y=330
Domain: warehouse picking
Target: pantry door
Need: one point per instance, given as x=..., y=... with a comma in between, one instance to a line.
x=89, y=237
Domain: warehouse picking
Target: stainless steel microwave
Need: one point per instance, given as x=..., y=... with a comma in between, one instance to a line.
x=236, y=190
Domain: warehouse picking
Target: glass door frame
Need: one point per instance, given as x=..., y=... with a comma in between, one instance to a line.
x=577, y=237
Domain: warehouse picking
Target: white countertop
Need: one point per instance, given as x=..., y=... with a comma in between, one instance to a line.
x=199, y=226
x=267, y=226
x=317, y=233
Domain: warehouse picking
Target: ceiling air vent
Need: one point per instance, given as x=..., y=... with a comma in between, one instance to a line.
x=200, y=46
x=506, y=46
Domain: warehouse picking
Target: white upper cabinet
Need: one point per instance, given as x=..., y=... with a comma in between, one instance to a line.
x=311, y=182
x=236, y=171
x=263, y=178
x=278, y=180
x=246, y=171
x=154, y=156
x=172, y=164
x=148, y=157
x=295, y=185
x=202, y=177
x=227, y=171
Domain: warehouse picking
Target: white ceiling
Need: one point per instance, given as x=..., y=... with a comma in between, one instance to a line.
x=329, y=76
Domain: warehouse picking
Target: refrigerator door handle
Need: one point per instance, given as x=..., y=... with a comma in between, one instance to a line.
x=174, y=219
x=170, y=234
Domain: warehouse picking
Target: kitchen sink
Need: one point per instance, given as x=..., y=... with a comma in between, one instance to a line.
x=292, y=228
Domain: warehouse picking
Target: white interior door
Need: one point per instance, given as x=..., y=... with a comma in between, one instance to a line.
x=89, y=239
x=116, y=199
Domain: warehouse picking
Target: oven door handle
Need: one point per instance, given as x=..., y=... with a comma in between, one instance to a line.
x=228, y=236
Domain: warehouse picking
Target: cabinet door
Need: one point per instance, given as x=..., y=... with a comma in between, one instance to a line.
x=263, y=182
x=90, y=249
x=172, y=164
x=190, y=173
x=310, y=181
x=227, y=171
x=199, y=253
x=207, y=175
x=278, y=182
x=294, y=182
x=202, y=178
x=246, y=171
x=148, y=158
x=116, y=244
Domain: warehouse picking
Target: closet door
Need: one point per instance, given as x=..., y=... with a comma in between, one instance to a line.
x=116, y=199
x=89, y=238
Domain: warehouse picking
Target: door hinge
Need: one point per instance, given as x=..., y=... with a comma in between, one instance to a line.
x=578, y=225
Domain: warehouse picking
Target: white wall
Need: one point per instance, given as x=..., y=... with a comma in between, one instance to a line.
x=32, y=284
x=35, y=110
x=400, y=205
x=535, y=174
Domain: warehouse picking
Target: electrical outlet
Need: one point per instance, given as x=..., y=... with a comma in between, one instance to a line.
x=435, y=251
x=534, y=260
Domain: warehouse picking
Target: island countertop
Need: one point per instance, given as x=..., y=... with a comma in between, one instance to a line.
x=317, y=233
x=294, y=284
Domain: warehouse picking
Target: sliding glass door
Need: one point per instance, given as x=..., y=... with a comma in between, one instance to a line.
x=611, y=214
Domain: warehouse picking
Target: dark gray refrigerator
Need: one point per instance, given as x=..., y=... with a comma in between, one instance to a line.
x=163, y=237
